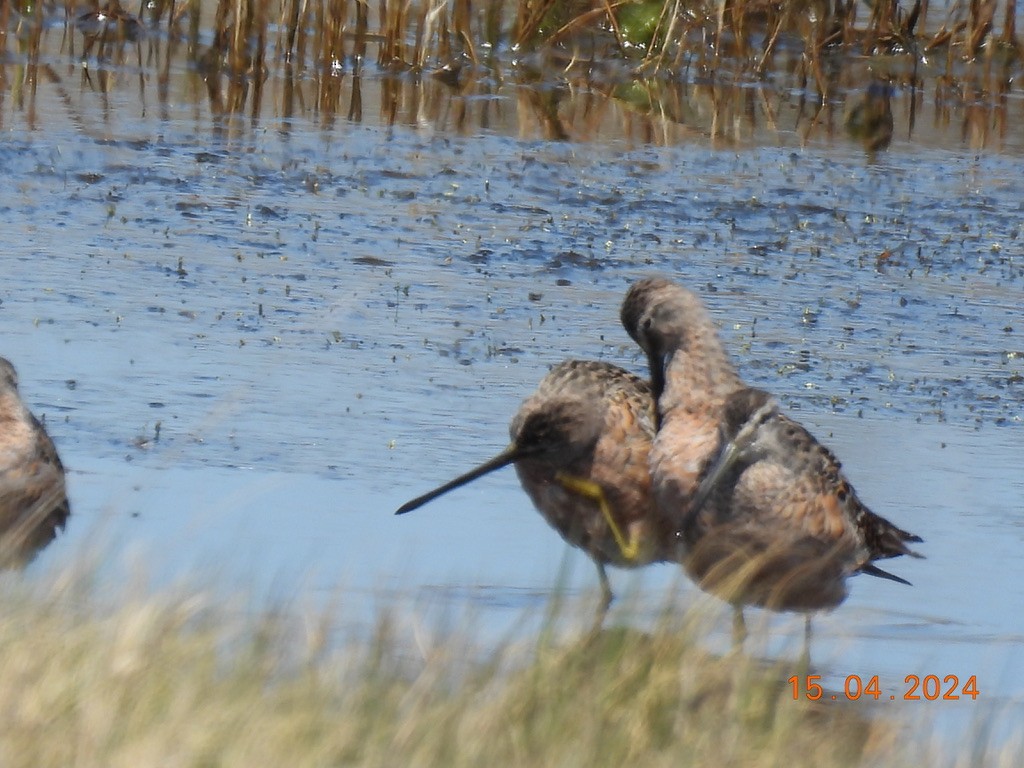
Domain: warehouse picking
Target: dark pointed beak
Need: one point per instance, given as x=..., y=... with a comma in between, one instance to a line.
x=742, y=448
x=508, y=456
x=727, y=457
x=656, y=364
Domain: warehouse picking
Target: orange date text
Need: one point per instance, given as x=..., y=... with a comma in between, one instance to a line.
x=915, y=688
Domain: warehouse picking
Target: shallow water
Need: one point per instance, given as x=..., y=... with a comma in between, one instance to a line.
x=253, y=339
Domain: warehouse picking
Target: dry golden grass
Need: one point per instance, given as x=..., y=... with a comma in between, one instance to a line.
x=175, y=679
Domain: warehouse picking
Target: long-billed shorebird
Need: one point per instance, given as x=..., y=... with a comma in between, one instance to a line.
x=581, y=446
x=33, y=502
x=763, y=513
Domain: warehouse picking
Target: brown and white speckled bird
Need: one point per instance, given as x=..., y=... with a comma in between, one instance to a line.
x=764, y=514
x=774, y=494
x=33, y=501
x=581, y=446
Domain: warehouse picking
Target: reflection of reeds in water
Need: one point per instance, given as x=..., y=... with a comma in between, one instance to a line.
x=663, y=72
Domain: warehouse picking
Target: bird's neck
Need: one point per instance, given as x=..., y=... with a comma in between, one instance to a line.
x=698, y=377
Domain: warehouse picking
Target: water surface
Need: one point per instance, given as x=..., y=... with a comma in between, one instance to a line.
x=252, y=340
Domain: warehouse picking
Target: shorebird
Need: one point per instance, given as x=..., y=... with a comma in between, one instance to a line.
x=580, y=445
x=778, y=502
x=764, y=515
x=869, y=117
x=33, y=502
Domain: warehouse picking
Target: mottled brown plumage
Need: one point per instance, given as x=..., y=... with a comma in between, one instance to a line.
x=775, y=489
x=581, y=446
x=33, y=502
x=691, y=376
x=764, y=515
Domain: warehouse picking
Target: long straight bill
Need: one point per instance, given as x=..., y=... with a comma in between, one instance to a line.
x=727, y=456
x=656, y=364
x=503, y=459
x=742, y=446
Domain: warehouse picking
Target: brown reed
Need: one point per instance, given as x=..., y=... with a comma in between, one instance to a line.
x=825, y=53
x=421, y=35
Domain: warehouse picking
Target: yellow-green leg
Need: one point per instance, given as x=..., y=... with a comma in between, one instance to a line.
x=588, y=489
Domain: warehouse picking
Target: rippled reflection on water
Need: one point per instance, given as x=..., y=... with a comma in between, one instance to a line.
x=326, y=319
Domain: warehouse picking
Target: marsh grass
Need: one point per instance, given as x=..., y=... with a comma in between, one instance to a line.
x=184, y=678
x=638, y=29
x=93, y=674
x=664, y=71
x=422, y=35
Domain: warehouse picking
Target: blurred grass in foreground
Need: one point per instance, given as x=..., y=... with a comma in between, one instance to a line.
x=174, y=679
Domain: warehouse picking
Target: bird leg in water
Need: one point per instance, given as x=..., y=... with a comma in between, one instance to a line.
x=588, y=489
x=606, y=600
x=739, y=627
x=606, y=589
x=805, y=657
